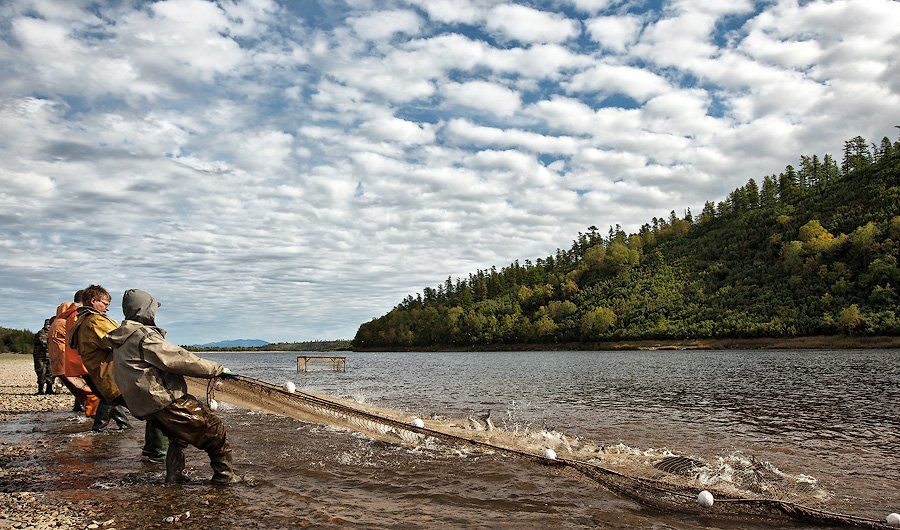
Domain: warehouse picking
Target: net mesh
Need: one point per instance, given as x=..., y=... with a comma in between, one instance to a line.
x=618, y=469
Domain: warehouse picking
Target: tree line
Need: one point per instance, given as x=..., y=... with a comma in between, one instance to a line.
x=16, y=340
x=811, y=250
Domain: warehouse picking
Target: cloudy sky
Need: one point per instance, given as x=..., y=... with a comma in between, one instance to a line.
x=286, y=171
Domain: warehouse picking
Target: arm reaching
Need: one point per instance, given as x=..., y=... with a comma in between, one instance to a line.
x=171, y=358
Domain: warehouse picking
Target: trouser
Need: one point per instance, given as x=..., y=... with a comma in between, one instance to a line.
x=185, y=422
x=82, y=393
x=44, y=377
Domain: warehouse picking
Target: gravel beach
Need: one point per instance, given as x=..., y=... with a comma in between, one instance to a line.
x=25, y=501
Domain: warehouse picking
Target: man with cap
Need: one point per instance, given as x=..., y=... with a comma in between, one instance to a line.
x=149, y=371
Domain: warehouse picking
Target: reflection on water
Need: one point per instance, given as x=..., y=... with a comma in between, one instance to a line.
x=832, y=415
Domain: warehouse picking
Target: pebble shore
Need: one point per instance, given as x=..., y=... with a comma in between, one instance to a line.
x=23, y=503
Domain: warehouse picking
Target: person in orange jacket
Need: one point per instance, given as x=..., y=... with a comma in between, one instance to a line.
x=62, y=359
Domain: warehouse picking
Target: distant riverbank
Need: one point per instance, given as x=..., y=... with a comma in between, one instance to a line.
x=822, y=342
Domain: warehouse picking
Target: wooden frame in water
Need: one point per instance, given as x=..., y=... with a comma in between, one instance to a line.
x=338, y=362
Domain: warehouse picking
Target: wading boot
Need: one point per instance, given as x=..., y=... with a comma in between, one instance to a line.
x=223, y=470
x=175, y=465
x=101, y=417
x=119, y=417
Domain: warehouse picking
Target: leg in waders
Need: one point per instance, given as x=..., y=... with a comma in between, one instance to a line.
x=185, y=422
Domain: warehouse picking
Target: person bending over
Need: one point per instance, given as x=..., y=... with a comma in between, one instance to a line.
x=150, y=373
x=87, y=335
x=62, y=359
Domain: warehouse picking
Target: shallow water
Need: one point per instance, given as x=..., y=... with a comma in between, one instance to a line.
x=830, y=415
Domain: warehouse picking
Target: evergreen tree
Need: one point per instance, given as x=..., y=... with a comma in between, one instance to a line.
x=768, y=196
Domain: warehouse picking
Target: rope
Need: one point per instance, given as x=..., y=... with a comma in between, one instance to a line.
x=661, y=493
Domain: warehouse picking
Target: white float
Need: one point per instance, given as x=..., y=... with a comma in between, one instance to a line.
x=550, y=453
x=893, y=519
x=290, y=387
x=213, y=404
x=417, y=422
x=705, y=499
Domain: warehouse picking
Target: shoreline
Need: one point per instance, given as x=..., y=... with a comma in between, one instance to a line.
x=26, y=456
x=817, y=342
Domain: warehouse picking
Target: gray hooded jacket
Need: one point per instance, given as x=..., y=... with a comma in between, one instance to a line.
x=148, y=369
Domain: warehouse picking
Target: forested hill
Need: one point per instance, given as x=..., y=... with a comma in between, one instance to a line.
x=811, y=251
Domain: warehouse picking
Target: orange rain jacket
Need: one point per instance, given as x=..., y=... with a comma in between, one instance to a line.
x=74, y=364
x=56, y=339
x=65, y=361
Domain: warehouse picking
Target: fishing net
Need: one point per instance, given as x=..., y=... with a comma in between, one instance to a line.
x=657, y=479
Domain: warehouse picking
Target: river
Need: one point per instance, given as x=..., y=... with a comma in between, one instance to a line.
x=815, y=427
x=830, y=418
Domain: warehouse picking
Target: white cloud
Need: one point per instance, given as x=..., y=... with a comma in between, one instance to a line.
x=382, y=25
x=398, y=130
x=615, y=33
x=484, y=96
x=677, y=41
x=459, y=131
x=271, y=145
x=454, y=11
x=589, y=6
x=637, y=83
x=525, y=24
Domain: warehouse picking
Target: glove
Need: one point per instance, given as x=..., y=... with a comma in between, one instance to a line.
x=227, y=374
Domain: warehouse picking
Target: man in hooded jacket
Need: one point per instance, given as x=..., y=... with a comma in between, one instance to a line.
x=149, y=371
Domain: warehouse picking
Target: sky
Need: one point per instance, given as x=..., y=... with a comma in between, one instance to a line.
x=288, y=171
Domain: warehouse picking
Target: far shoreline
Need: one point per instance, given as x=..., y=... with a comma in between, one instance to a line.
x=818, y=342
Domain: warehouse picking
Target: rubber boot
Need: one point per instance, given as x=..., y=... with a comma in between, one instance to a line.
x=120, y=418
x=156, y=444
x=101, y=417
x=223, y=470
x=175, y=465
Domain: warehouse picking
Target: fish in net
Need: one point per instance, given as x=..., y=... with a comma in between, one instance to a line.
x=661, y=480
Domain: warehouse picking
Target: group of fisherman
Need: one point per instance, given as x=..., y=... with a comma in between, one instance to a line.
x=114, y=369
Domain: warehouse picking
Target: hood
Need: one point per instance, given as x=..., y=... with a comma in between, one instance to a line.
x=117, y=337
x=140, y=306
x=64, y=309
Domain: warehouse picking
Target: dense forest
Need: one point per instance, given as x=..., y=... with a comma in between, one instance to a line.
x=16, y=340
x=810, y=251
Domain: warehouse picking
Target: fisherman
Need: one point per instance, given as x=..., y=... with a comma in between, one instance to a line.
x=150, y=372
x=41, y=361
x=62, y=360
x=86, y=336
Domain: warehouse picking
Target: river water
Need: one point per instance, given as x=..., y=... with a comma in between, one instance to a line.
x=820, y=427
x=830, y=418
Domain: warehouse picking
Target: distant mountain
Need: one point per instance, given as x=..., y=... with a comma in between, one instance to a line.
x=238, y=343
